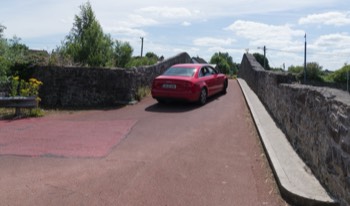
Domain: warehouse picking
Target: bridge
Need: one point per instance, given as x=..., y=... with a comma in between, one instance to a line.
x=313, y=123
x=315, y=120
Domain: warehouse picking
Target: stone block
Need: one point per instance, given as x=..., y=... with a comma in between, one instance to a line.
x=345, y=147
x=334, y=134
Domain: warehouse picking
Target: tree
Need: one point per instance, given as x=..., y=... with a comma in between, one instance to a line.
x=341, y=75
x=122, y=53
x=152, y=55
x=4, y=62
x=296, y=69
x=141, y=61
x=86, y=43
x=260, y=58
x=313, y=71
x=2, y=29
x=223, y=61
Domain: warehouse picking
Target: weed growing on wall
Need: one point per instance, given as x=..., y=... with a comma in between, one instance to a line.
x=142, y=92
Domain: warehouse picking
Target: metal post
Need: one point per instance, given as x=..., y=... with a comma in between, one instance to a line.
x=347, y=83
x=265, y=57
x=141, y=46
x=305, y=60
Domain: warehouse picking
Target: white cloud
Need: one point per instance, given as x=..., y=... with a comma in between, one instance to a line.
x=138, y=21
x=191, y=50
x=126, y=31
x=260, y=34
x=255, y=30
x=333, y=41
x=186, y=23
x=211, y=42
x=329, y=18
x=166, y=12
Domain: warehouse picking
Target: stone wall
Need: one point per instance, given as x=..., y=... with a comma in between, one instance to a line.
x=316, y=121
x=96, y=87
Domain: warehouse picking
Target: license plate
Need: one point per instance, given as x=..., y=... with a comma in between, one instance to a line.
x=169, y=86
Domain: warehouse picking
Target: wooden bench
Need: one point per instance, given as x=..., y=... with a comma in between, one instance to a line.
x=18, y=103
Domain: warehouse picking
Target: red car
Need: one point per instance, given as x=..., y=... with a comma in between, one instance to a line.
x=189, y=82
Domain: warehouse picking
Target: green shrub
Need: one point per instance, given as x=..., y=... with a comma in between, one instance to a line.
x=138, y=61
x=340, y=75
x=36, y=112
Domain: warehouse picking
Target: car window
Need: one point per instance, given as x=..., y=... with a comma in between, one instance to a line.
x=212, y=70
x=203, y=72
x=179, y=71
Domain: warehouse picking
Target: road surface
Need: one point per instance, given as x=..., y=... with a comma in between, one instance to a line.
x=166, y=155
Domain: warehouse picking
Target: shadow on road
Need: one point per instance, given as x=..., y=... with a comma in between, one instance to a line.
x=179, y=107
x=172, y=107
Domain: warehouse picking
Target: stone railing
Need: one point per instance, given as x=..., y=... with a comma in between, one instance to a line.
x=316, y=121
x=97, y=87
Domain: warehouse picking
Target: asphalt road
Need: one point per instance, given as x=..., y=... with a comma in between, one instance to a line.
x=176, y=154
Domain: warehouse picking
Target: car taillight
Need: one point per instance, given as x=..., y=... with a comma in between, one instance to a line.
x=155, y=84
x=188, y=85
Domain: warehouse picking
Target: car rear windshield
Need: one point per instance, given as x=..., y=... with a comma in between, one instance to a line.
x=180, y=71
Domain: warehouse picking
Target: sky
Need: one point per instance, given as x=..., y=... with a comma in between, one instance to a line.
x=198, y=27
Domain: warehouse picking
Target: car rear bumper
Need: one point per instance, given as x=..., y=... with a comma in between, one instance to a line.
x=172, y=95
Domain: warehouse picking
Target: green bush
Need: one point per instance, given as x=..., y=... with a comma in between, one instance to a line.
x=313, y=71
x=138, y=61
x=340, y=75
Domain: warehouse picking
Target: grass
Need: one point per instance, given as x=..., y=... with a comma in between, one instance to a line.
x=9, y=113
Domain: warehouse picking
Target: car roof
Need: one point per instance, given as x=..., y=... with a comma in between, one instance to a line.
x=196, y=65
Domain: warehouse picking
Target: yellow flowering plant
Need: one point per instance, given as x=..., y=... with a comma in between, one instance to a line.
x=20, y=87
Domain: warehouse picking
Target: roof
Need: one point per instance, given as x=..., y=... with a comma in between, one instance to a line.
x=198, y=60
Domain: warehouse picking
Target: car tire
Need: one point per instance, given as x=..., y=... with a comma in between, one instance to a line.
x=224, y=89
x=203, y=97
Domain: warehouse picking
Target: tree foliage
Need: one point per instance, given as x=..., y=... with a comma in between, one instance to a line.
x=86, y=42
x=149, y=59
x=2, y=29
x=224, y=62
x=152, y=55
x=122, y=53
x=260, y=58
x=313, y=71
x=140, y=61
x=341, y=75
x=3, y=60
x=14, y=57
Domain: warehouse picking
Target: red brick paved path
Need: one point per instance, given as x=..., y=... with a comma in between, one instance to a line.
x=61, y=137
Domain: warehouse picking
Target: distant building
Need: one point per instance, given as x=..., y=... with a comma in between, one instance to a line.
x=38, y=57
x=198, y=60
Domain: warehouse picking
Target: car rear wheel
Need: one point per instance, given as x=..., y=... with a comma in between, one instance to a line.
x=203, y=97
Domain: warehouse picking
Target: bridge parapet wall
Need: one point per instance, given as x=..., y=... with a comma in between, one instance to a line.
x=316, y=121
x=97, y=87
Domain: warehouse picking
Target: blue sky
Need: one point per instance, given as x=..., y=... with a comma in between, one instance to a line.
x=198, y=27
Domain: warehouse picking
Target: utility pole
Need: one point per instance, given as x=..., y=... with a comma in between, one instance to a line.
x=141, y=46
x=264, y=49
x=305, y=59
x=265, y=57
x=347, y=81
